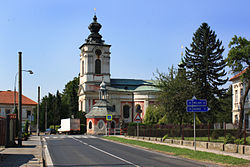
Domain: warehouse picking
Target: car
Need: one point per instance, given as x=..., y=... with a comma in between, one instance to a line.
x=50, y=131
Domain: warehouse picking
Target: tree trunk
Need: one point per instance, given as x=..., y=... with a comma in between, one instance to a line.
x=242, y=104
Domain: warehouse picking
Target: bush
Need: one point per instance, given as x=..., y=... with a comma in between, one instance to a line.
x=215, y=135
x=83, y=128
x=240, y=141
x=229, y=139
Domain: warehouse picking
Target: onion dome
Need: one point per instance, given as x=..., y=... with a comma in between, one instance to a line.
x=95, y=37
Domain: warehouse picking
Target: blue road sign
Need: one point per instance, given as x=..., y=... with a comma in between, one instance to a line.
x=196, y=105
x=196, y=102
x=197, y=109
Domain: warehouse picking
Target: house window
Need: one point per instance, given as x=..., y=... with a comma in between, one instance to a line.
x=98, y=66
x=236, y=96
x=7, y=111
x=28, y=114
x=241, y=92
x=114, y=107
x=138, y=108
x=126, y=111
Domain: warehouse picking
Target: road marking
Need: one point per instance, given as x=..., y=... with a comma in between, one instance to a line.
x=48, y=160
x=112, y=155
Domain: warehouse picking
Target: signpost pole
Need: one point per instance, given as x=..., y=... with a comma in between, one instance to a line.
x=137, y=129
x=194, y=134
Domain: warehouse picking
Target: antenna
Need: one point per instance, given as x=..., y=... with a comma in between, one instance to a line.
x=95, y=10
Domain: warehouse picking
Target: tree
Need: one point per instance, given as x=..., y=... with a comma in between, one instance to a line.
x=225, y=115
x=205, y=69
x=238, y=59
x=175, y=90
x=70, y=96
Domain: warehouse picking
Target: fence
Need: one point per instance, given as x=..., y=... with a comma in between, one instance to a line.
x=3, y=124
x=179, y=131
x=8, y=130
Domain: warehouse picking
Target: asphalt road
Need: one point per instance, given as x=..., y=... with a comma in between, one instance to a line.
x=92, y=151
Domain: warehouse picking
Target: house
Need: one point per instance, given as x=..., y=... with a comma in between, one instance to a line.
x=238, y=89
x=7, y=105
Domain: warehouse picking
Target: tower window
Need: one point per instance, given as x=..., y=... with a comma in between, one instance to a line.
x=98, y=66
x=82, y=67
x=126, y=111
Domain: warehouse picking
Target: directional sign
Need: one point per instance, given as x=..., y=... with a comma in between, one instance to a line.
x=137, y=118
x=196, y=102
x=197, y=105
x=109, y=117
x=197, y=109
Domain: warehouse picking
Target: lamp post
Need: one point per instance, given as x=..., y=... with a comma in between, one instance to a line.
x=29, y=71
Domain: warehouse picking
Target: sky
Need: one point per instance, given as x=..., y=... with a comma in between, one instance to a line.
x=145, y=35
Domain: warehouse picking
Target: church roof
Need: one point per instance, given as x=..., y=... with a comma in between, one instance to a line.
x=101, y=109
x=134, y=85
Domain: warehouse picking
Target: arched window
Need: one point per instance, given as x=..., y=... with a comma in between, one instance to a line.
x=98, y=66
x=112, y=125
x=90, y=124
x=126, y=111
x=82, y=67
x=138, y=108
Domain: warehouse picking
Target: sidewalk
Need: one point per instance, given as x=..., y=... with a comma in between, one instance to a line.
x=29, y=155
x=237, y=155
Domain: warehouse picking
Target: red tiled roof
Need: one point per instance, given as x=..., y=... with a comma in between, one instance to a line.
x=7, y=97
x=238, y=75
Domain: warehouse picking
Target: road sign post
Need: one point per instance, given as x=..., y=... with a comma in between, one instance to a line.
x=195, y=105
x=137, y=119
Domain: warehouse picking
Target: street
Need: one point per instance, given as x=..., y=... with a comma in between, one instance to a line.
x=84, y=150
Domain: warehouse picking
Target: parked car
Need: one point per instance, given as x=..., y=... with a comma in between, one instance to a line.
x=50, y=131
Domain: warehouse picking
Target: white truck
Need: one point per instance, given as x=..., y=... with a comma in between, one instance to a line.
x=69, y=125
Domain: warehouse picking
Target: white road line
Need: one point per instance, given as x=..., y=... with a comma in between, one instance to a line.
x=48, y=160
x=106, y=152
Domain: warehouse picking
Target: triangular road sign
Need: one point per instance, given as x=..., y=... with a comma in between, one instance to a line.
x=137, y=118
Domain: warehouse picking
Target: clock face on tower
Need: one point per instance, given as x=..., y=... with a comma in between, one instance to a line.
x=98, y=52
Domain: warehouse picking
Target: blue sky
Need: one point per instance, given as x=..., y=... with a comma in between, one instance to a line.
x=145, y=36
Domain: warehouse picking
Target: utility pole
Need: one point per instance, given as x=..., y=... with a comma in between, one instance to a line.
x=38, y=109
x=20, y=99
x=46, y=111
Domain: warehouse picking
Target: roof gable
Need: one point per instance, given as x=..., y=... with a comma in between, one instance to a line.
x=7, y=97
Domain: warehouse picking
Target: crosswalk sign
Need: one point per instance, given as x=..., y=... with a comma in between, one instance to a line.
x=109, y=117
x=137, y=118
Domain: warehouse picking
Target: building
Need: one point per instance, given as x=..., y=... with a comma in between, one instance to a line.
x=127, y=96
x=7, y=105
x=238, y=88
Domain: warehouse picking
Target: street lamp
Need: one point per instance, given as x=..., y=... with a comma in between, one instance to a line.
x=29, y=71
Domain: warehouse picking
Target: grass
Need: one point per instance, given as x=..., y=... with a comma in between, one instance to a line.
x=220, y=139
x=197, y=155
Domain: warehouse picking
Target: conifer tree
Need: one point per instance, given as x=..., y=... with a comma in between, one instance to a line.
x=205, y=68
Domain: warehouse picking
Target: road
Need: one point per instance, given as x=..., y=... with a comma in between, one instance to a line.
x=83, y=150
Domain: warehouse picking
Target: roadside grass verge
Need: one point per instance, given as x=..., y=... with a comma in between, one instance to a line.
x=197, y=155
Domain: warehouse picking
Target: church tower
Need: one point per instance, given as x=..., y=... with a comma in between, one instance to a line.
x=94, y=65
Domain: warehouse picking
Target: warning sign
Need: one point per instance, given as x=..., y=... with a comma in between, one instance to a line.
x=137, y=118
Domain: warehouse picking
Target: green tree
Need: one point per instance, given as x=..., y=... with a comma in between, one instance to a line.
x=238, y=60
x=153, y=114
x=70, y=96
x=175, y=90
x=205, y=69
x=225, y=115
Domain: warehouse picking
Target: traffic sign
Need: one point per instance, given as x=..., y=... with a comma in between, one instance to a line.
x=109, y=117
x=137, y=118
x=197, y=105
x=197, y=109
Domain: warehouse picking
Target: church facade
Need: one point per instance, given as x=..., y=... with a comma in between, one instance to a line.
x=126, y=96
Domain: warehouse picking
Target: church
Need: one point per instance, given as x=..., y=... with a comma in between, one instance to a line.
x=99, y=94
